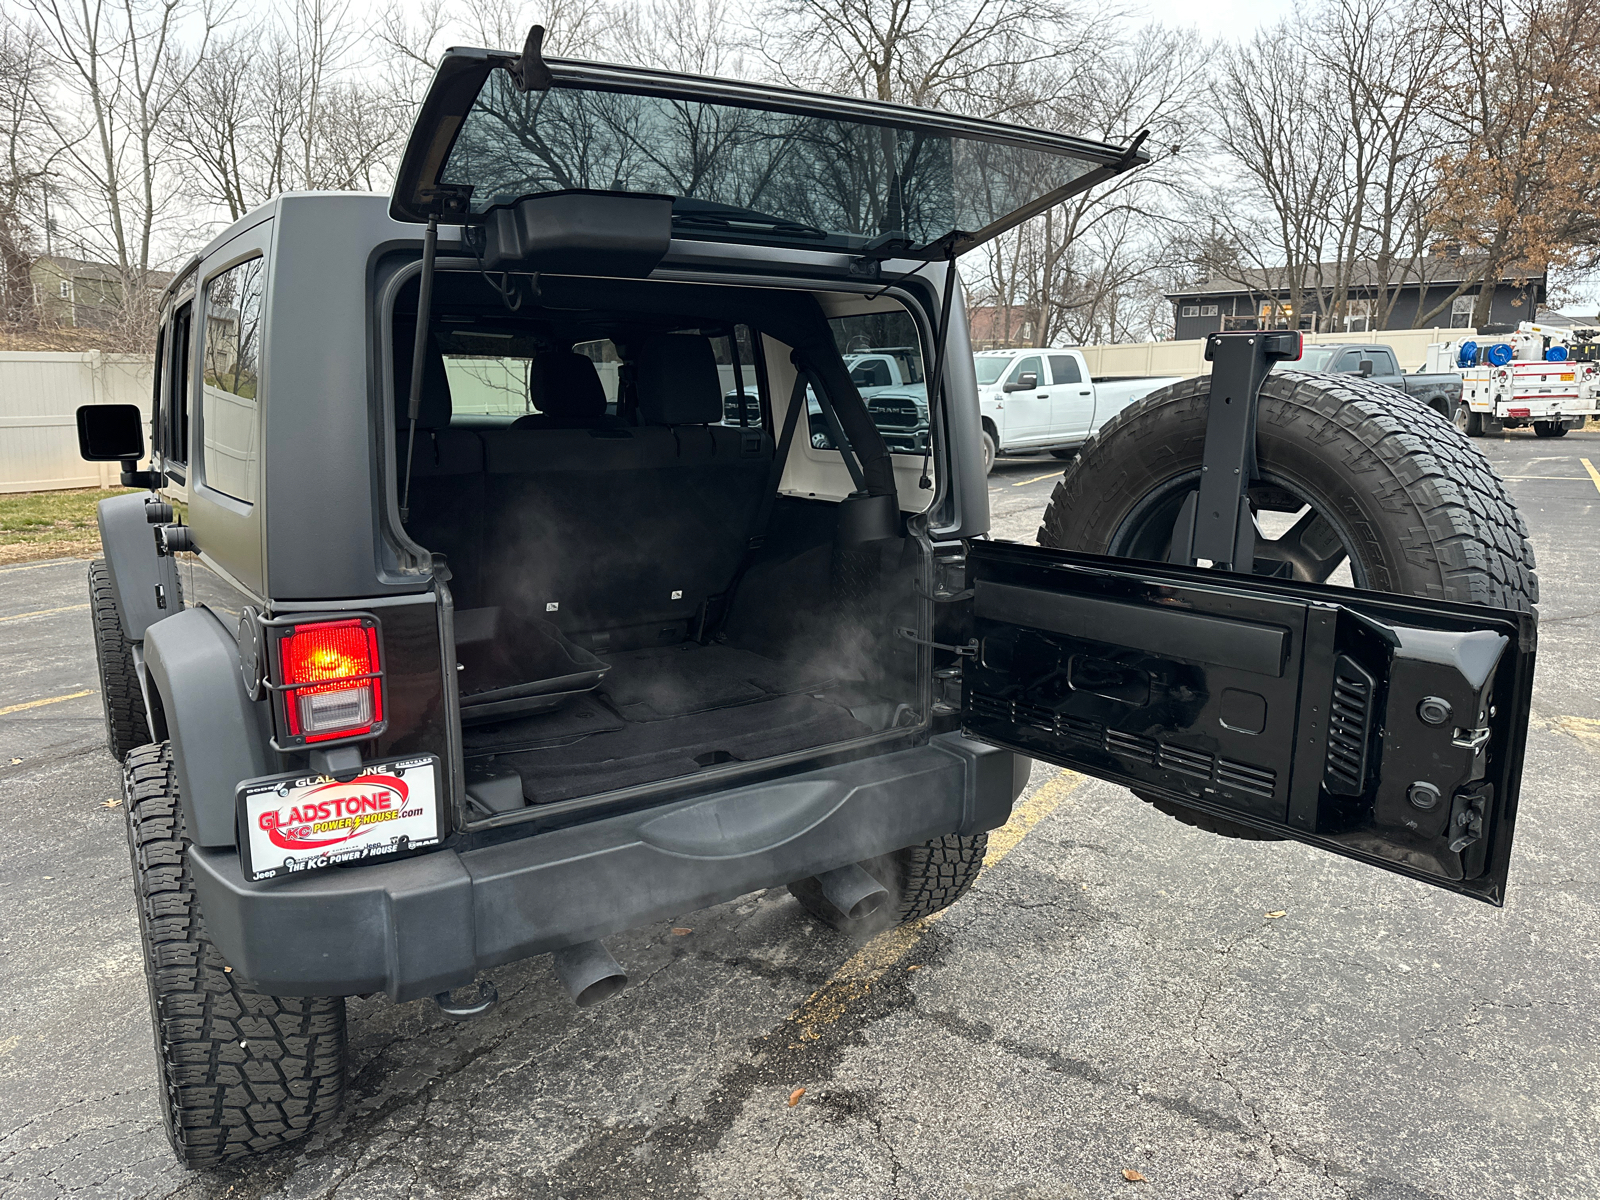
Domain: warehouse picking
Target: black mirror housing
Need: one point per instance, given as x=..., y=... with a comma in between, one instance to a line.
x=1365, y=367
x=111, y=433
x=1023, y=383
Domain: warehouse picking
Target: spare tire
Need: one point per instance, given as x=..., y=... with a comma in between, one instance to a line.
x=1367, y=480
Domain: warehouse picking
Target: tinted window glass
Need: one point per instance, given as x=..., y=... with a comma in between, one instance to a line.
x=176, y=435
x=1383, y=363
x=1027, y=366
x=232, y=365
x=1064, y=369
x=745, y=174
x=1350, y=361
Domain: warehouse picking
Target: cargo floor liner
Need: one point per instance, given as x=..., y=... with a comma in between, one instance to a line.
x=678, y=710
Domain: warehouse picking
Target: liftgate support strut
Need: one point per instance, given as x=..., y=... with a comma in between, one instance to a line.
x=1214, y=525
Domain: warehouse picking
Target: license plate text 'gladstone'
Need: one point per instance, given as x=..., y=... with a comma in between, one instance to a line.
x=307, y=823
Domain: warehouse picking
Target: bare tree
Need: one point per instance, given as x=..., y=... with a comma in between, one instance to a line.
x=967, y=55
x=22, y=171
x=115, y=59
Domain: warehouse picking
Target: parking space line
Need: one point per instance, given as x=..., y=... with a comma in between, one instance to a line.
x=44, y=612
x=1593, y=474
x=866, y=966
x=1036, y=479
x=13, y=708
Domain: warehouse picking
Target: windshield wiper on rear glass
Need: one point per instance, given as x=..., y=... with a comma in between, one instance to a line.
x=724, y=216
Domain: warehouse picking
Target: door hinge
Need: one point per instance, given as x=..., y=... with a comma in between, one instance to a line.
x=970, y=650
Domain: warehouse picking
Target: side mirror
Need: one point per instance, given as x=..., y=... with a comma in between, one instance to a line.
x=1023, y=383
x=110, y=433
x=115, y=433
x=1365, y=367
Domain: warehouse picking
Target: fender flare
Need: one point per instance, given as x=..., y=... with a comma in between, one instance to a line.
x=128, y=542
x=218, y=733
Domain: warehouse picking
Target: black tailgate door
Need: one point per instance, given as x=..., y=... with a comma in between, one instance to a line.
x=1386, y=728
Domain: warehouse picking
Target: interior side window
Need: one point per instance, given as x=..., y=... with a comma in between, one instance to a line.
x=1064, y=369
x=232, y=364
x=175, y=438
x=883, y=353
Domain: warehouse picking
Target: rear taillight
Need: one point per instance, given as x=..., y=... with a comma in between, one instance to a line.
x=328, y=680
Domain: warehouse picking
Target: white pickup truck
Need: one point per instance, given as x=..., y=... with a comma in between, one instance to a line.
x=1045, y=399
x=1032, y=400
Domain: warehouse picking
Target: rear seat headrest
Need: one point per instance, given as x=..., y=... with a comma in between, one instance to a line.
x=677, y=380
x=563, y=383
x=436, y=407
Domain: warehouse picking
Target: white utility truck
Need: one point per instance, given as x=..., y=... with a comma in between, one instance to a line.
x=1538, y=375
x=1045, y=399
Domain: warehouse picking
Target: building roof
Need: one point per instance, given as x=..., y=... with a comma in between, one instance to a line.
x=1437, y=269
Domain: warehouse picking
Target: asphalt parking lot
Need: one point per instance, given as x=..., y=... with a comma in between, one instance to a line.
x=1118, y=996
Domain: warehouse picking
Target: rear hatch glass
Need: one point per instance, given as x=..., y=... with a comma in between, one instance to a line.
x=743, y=163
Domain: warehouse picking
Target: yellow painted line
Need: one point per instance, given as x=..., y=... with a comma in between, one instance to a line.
x=44, y=612
x=1036, y=479
x=11, y=708
x=1585, y=729
x=866, y=966
x=1593, y=474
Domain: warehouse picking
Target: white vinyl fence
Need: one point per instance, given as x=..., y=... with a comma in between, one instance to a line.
x=1188, y=357
x=39, y=397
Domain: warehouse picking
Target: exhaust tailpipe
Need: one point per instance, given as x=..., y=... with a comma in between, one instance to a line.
x=589, y=973
x=481, y=1005
x=853, y=891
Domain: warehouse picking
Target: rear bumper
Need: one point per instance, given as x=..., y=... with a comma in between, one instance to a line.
x=426, y=924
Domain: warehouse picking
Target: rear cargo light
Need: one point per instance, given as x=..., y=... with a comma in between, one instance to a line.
x=1518, y=412
x=328, y=680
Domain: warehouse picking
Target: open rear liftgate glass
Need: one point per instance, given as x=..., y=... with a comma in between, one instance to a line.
x=1384, y=728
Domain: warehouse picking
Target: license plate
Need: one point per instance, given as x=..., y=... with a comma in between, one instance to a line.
x=1568, y=377
x=306, y=822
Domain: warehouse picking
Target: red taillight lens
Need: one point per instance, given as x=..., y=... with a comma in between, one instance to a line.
x=331, y=679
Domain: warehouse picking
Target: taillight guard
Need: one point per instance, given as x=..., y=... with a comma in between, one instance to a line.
x=326, y=677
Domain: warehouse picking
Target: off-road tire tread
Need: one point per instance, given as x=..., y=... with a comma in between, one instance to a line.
x=242, y=1073
x=936, y=874
x=921, y=879
x=1465, y=538
x=1460, y=536
x=120, y=696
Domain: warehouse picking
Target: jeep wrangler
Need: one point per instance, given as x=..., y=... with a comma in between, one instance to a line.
x=465, y=621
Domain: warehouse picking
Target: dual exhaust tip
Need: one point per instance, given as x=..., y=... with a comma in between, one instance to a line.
x=591, y=975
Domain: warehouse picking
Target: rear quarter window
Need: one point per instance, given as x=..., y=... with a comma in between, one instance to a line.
x=229, y=404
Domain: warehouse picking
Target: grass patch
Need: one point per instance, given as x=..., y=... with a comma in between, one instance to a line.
x=36, y=525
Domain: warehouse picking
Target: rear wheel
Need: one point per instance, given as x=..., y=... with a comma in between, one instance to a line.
x=1549, y=429
x=120, y=696
x=241, y=1073
x=1358, y=486
x=989, y=449
x=921, y=881
x=1069, y=452
x=1467, y=421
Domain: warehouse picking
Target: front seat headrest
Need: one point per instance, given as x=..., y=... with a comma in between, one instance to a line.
x=677, y=380
x=436, y=406
x=563, y=383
